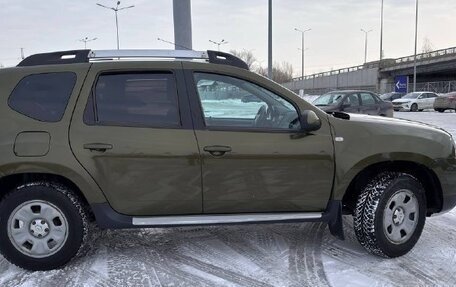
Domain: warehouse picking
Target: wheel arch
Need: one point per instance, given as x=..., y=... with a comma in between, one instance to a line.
x=427, y=177
x=20, y=173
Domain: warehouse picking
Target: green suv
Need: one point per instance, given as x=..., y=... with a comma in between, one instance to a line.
x=155, y=138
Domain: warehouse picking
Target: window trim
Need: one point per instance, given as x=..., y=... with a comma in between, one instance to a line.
x=238, y=129
x=45, y=73
x=130, y=71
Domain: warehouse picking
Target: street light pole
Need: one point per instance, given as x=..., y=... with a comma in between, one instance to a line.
x=416, y=44
x=365, y=44
x=116, y=9
x=86, y=40
x=270, y=39
x=219, y=43
x=381, y=34
x=302, y=49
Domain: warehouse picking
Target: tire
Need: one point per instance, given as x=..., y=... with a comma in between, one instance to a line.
x=54, y=228
x=414, y=108
x=382, y=214
x=440, y=110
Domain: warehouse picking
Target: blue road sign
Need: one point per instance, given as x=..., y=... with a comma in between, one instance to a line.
x=400, y=84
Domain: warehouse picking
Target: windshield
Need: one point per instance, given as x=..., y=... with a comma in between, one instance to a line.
x=411, y=96
x=328, y=99
x=386, y=96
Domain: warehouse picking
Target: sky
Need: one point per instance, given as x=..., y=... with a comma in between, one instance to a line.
x=335, y=40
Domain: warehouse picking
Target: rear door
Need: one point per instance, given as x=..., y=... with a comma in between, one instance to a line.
x=132, y=131
x=254, y=157
x=369, y=104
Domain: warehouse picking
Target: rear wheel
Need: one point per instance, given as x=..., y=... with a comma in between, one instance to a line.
x=440, y=110
x=390, y=214
x=414, y=108
x=42, y=226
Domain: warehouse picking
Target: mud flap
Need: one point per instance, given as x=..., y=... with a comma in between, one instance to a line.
x=333, y=215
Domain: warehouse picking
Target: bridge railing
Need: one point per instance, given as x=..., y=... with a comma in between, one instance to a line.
x=338, y=71
x=426, y=56
x=384, y=63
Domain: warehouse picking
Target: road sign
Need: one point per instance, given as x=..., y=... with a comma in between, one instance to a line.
x=400, y=84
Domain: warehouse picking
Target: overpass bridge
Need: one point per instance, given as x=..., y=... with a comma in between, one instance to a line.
x=436, y=69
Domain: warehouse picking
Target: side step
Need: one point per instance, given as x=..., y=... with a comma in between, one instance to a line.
x=107, y=217
x=224, y=219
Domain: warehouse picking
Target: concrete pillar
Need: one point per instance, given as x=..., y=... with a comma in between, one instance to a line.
x=182, y=12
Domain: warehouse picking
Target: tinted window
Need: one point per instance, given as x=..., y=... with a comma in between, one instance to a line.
x=367, y=99
x=431, y=95
x=43, y=97
x=134, y=99
x=235, y=103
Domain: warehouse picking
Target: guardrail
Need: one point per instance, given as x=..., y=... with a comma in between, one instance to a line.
x=426, y=56
x=384, y=63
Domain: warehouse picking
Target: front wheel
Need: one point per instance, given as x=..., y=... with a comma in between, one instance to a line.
x=390, y=214
x=414, y=108
x=43, y=225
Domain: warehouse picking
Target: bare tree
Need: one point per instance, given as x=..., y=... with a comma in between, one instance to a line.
x=248, y=57
x=427, y=46
x=281, y=73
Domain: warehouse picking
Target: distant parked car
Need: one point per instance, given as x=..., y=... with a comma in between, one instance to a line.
x=389, y=97
x=445, y=102
x=416, y=101
x=361, y=102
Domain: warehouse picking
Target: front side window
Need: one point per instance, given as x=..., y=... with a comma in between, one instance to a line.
x=234, y=103
x=43, y=97
x=134, y=99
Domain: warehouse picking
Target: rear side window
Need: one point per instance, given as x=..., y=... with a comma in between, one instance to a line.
x=43, y=97
x=367, y=99
x=134, y=99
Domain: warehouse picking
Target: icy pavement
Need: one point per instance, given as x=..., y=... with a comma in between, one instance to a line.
x=254, y=255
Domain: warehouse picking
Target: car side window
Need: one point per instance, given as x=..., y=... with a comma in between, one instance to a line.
x=134, y=99
x=43, y=97
x=352, y=100
x=233, y=103
x=367, y=99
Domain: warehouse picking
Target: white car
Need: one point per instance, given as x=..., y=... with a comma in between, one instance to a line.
x=416, y=101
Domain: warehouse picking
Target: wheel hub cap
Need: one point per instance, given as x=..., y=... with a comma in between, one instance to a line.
x=398, y=216
x=39, y=228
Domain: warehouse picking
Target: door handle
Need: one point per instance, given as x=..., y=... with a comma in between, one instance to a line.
x=217, y=150
x=101, y=147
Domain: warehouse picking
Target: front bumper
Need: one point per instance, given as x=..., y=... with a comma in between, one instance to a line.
x=402, y=107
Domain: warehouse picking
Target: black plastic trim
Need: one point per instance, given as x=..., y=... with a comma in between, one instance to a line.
x=217, y=57
x=108, y=218
x=55, y=58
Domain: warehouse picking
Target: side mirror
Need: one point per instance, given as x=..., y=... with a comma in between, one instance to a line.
x=310, y=121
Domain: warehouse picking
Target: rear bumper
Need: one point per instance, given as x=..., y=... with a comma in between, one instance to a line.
x=444, y=105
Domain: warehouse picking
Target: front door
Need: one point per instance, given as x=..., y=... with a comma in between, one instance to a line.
x=132, y=131
x=254, y=157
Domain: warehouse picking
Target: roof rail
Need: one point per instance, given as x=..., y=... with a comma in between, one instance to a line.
x=54, y=58
x=85, y=56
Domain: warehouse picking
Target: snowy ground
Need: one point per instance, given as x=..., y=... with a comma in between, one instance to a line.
x=254, y=255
